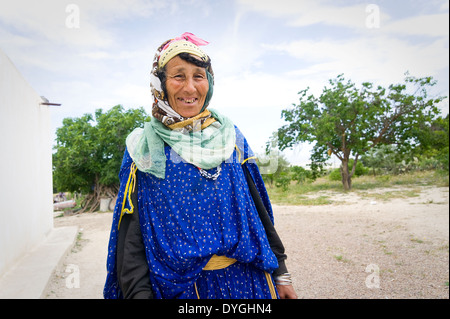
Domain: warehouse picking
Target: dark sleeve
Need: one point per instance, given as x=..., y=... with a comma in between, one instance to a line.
x=132, y=267
x=274, y=240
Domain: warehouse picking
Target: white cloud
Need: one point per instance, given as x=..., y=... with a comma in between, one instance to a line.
x=46, y=21
x=133, y=94
x=97, y=55
x=433, y=25
x=81, y=23
x=309, y=12
x=379, y=58
x=257, y=90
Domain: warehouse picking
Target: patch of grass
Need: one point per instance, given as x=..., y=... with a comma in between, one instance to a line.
x=341, y=258
x=392, y=194
x=384, y=247
x=416, y=240
x=296, y=194
x=418, y=178
x=321, y=200
x=78, y=242
x=296, y=199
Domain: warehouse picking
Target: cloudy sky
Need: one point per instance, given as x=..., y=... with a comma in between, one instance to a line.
x=90, y=54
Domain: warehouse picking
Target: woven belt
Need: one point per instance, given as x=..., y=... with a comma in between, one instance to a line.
x=219, y=262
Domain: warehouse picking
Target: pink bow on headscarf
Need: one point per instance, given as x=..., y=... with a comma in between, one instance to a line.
x=188, y=37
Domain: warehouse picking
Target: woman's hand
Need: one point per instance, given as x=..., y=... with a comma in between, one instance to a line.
x=286, y=292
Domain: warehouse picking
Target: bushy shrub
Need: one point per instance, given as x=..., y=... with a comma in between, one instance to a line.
x=360, y=170
x=300, y=174
x=335, y=175
x=283, y=180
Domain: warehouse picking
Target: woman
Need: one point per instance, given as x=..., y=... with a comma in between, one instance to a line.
x=193, y=219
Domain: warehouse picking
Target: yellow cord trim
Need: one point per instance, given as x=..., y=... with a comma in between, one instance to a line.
x=273, y=292
x=196, y=291
x=252, y=157
x=239, y=153
x=219, y=262
x=129, y=189
x=239, y=156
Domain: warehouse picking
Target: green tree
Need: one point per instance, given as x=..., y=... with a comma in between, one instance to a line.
x=434, y=141
x=283, y=180
x=348, y=121
x=269, y=171
x=89, y=151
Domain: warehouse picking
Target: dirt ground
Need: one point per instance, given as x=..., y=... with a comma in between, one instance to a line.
x=360, y=248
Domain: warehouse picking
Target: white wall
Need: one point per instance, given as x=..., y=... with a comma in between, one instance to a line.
x=26, y=205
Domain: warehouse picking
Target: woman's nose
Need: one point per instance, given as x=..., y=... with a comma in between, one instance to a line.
x=189, y=85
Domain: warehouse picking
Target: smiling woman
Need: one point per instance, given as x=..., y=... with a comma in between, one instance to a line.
x=193, y=218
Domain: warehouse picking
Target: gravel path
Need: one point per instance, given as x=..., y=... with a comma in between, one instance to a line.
x=360, y=248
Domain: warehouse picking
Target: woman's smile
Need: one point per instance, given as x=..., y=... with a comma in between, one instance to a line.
x=187, y=100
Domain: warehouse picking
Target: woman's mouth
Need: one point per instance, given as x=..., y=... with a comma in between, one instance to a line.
x=188, y=100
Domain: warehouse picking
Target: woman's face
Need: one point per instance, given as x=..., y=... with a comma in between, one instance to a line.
x=187, y=86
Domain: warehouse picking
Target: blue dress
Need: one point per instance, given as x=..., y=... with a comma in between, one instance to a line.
x=186, y=218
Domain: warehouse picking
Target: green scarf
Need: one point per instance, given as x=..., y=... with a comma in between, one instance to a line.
x=206, y=148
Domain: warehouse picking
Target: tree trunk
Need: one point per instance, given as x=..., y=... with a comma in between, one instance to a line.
x=92, y=200
x=346, y=176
